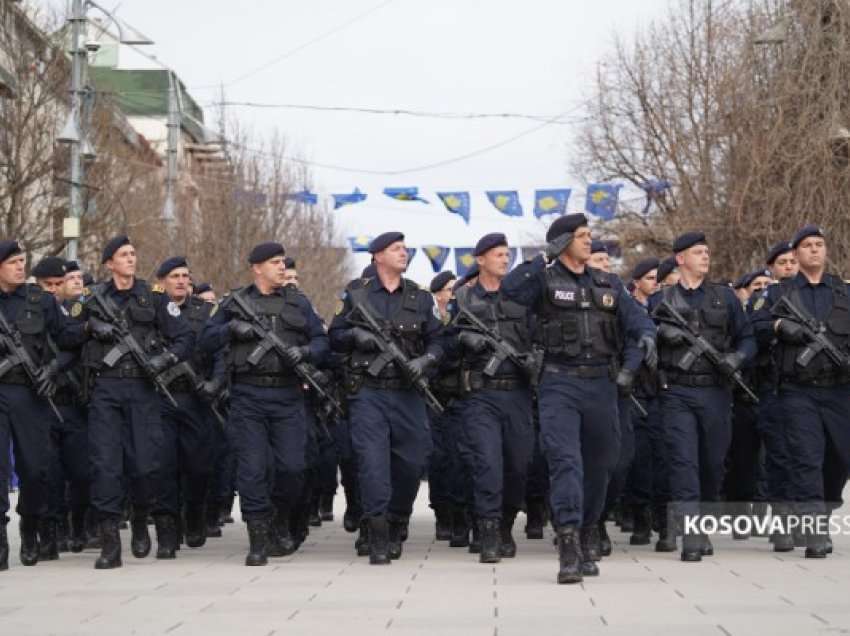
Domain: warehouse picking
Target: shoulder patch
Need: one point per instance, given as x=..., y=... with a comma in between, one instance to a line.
x=76, y=309
x=214, y=309
x=340, y=305
x=759, y=303
x=172, y=309
x=158, y=289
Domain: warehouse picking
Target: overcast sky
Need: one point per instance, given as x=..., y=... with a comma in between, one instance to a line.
x=536, y=57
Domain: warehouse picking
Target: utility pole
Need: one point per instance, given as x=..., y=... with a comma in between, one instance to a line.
x=71, y=225
x=173, y=141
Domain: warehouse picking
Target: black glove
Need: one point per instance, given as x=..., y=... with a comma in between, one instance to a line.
x=295, y=355
x=161, y=361
x=209, y=390
x=418, y=367
x=45, y=379
x=101, y=331
x=364, y=340
x=791, y=332
x=650, y=352
x=731, y=362
x=671, y=335
x=625, y=382
x=241, y=330
x=472, y=342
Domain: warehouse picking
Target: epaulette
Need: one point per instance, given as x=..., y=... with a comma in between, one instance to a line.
x=157, y=289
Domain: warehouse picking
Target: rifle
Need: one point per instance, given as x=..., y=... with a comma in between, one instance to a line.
x=699, y=346
x=641, y=411
x=814, y=330
x=270, y=341
x=529, y=363
x=184, y=369
x=17, y=354
x=127, y=343
x=390, y=352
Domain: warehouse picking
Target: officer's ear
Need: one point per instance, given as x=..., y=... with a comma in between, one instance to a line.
x=680, y=259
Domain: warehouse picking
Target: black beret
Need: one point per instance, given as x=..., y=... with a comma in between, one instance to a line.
x=804, y=233
x=383, y=241
x=49, y=267
x=441, y=280
x=201, y=288
x=88, y=279
x=471, y=273
x=264, y=251
x=598, y=246
x=488, y=242
x=687, y=240
x=71, y=266
x=666, y=267
x=289, y=262
x=783, y=247
x=170, y=264
x=644, y=267
x=565, y=224
x=113, y=246
x=749, y=278
x=8, y=249
x=369, y=271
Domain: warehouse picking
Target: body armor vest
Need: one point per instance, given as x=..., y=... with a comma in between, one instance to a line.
x=283, y=314
x=579, y=324
x=405, y=326
x=837, y=329
x=506, y=318
x=710, y=320
x=196, y=312
x=32, y=324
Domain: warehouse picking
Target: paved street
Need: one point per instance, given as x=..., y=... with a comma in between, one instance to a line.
x=324, y=588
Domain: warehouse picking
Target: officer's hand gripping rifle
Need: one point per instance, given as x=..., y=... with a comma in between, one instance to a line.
x=785, y=309
x=270, y=341
x=185, y=370
x=389, y=352
x=17, y=354
x=699, y=346
x=126, y=342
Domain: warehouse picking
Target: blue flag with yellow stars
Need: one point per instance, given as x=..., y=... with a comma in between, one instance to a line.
x=437, y=254
x=347, y=199
x=404, y=194
x=463, y=260
x=411, y=252
x=602, y=200
x=506, y=202
x=305, y=196
x=359, y=243
x=457, y=203
x=551, y=202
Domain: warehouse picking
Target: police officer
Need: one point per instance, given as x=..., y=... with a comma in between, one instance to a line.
x=389, y=428
x=126, y=433
x=583, y=318
x=497, y=410
x=813, y=393
x=781, y=261
x=268, y=424
x=25, y=415
x=696, y=402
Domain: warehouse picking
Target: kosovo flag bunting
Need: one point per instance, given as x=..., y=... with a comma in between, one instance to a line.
x=463, y=260
x=360, y=243
x=437, y=254
x=305, y=196
x=602, y=200
x=550, y=202
x=506, y=202
x=654, y=188
x=411, y=252
x=404, y=194
x=347, y=199
x=457, y=203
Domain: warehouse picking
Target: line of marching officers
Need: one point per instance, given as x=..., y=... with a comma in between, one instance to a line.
x=552, y=389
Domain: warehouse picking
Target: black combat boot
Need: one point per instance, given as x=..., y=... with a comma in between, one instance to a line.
x=110, y=540
x=258, y=534
x=213, y=529
x=379, y=537
x=166, y=536
x=353, y=509
x=475, y=541
x=666, y=530
x=818, y=545
x=140, y=538
x=227, y=510
x=442, y=522
x=195, y=526
x=692, y=548
x=315, y=518
x=507, y=545
x=93, y=533
x=569, y=555
x=396, y=536
x=605, y=546
x=627, y=519
x=361, y=543
x=63, y=533
x=706, y=549
x=281, y=542
x=643, y=526
x=326, y=507
x=460, y=528
x=488, y=531
x=4, y=547
x=535, y=518
x=48, y=545
x=589, y=541
x=78, y=530
x=29, y=540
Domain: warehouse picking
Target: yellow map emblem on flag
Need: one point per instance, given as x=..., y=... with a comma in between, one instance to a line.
x=452, y=202
x=599, y=196
x=548, y=204
x=502, y=201
x=467, y=259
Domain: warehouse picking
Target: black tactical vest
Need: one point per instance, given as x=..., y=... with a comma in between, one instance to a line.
x=32, y=324
x=283, y=314
x=196, y=312
x=405, y=327
x=579, y=324
x=505, y=317
x=837, y=329
x=710, y=320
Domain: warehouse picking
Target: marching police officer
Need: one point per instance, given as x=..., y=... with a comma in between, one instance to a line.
x=25, y=414
x=389, y=428
x=583, y=318
x=268, y=424
x=696, y=399
x=125, y=423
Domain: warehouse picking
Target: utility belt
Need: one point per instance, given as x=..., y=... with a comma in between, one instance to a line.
x=824, y=381
x=693, y=379
x=127, y=369
x=476, y=381
x=16, y=375
x=590, y=371
x=267, y=381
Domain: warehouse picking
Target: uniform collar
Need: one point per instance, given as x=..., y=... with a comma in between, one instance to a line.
x=691, y=290
x=801, y=281
x=563, y=268
x=20, y=290
x=379, y=285
x=478, y=290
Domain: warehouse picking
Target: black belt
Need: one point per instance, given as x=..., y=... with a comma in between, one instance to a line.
x=267, y=381
x=693, y=380
x=827, y=381
x=128, y=371
x=579, y=371
x=16, y=376
x=386, y=383
x=479, y=381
